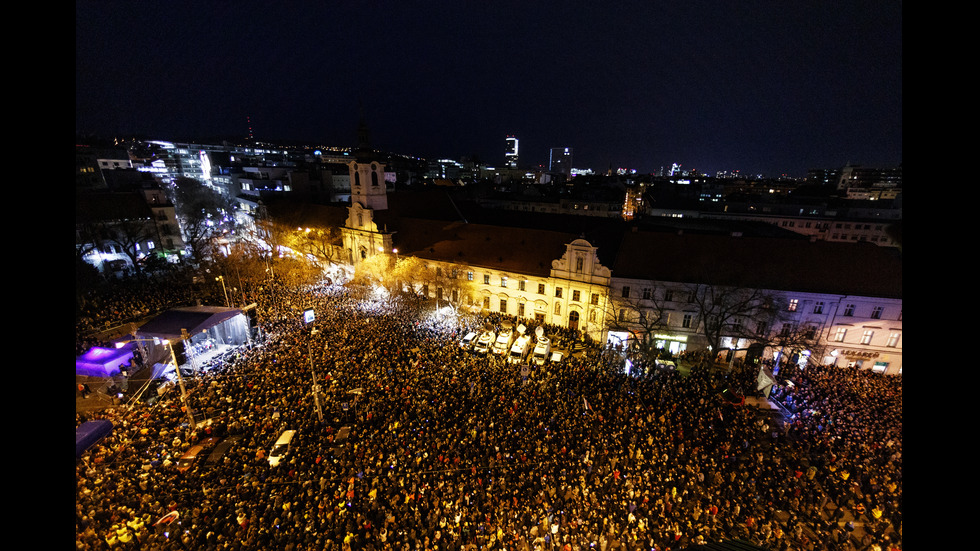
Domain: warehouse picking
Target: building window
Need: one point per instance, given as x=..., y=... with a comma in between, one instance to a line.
x=469, y=276
x=692, y=296
x=893, y=340
x=577, y=296
x=737, y=326
x=503, y=281
x=540, y=288
x=520, y=309
x=647, y=293
x=793, y=303
x=668, y=295
x=503, y=305
x=876, y=313
x=522, y=285
x=438, y=271
x=595, y=299
x=688, y=319
x=558, y=292
x=818, y=307
x=622, y=314
x=486, y=279
x=849, y=310
x=866, y=337
x=626, y=292
x=840, y=334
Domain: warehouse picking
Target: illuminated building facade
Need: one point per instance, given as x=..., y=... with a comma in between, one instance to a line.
x=842, y=314
x=511, y=152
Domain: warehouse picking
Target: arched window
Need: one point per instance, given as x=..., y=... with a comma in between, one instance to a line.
x=374, y=176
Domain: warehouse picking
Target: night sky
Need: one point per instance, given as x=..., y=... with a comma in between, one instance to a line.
x=757, y=86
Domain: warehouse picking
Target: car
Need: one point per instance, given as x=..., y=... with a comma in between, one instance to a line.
x=281, y=447
x=467, y=342
x=484, y=343
x=187, y=460
x=223, y=447
x=666, y=364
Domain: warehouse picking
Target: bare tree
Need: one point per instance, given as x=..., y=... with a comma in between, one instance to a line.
x=642, y=318
x=322, y=246
x=203, y=214
x=736, y=312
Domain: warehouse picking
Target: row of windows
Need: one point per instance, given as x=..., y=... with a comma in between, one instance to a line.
x=818, y=308
x=867, y=335
x=522, y=286
x=647, y=294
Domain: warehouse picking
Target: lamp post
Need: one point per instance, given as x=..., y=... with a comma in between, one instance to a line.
x=180, y=380
x=316, y=387
x=221, y=278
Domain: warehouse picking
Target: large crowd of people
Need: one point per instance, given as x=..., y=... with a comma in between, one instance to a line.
x=448, y=450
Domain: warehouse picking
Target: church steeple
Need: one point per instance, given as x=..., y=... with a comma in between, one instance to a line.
x=367, y=184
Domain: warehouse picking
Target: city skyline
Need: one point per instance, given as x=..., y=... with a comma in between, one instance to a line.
x=759, y=87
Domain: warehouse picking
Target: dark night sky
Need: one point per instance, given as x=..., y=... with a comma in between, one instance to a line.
x=757, y=86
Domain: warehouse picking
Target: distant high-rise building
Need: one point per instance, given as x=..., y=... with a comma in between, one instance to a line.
x=511, y=152
x=561, y=161
x=854, y=176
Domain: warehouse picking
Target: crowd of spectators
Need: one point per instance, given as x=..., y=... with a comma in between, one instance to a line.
x=448, y=450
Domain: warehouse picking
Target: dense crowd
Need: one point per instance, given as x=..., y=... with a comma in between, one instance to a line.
x=117, y=302
x=448, y=450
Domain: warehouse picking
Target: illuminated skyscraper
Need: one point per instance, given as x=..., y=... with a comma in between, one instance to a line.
x=511, y=153
x=561, y=161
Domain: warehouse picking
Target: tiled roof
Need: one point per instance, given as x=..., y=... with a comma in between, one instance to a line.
x=762, y=263
x=431, y=226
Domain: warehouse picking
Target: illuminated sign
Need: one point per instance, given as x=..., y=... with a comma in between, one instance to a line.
x=859, y=354
x=308, y=315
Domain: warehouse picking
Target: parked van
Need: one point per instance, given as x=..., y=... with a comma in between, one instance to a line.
x=504, y=339
x=281, y=447
x=542, y=351
x=520, y=349
x=468, y=340
x=484, y=343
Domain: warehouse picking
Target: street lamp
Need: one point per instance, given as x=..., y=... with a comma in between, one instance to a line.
x=316, y=387
x=180, y=380
x=221, y=278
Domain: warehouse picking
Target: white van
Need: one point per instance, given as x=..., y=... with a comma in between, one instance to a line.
x=504, y=339
x=519, y=351
x=281, y=447
x=468, y=341
x=484, y=343
x=542, y=351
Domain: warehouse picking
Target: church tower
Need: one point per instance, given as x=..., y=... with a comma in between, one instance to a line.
x=367, y=184
x=361, y=235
